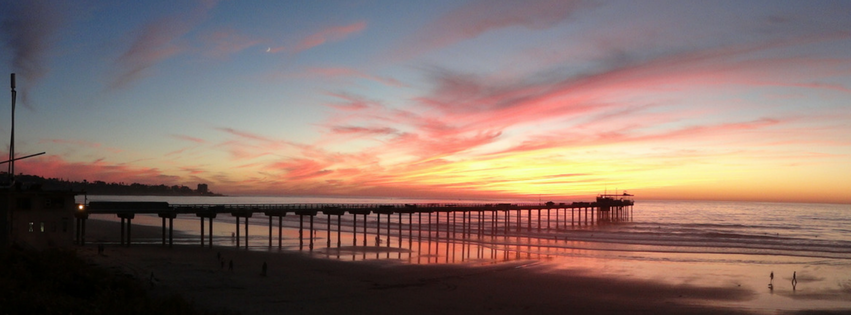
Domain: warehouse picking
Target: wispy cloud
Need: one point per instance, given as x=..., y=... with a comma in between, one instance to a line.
x=55, y=167
x=329, y=34
x=323, y=36
x=480, y=17
x=226, y=42
x=189, y=138
x=349, y=72
x=80, y=143
x=155, y=42
x=29, y=28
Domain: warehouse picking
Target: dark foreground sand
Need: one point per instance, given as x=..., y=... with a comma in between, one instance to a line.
x=300, y=285
x=296, y=284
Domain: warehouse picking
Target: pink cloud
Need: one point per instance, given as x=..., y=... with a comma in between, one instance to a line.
x=226, y=42
x=249, y=146
x=193, y=170
x=479, y=17
x=351, y=102
x=275, y=50
x=329, y=34
x=364, y=130
x=80, y=143
x=567, y=139
x=177, y=152
x=53, y=166
x=463, y=114
x=349, y=72
x=190, y=139
x=301, y=169
x=244, y=134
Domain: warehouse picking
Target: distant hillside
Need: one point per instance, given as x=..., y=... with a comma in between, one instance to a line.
x=104, y=188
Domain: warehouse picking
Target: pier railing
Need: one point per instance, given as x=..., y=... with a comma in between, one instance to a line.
x=96, y=207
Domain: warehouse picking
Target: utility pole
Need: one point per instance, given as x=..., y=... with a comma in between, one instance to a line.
x=12, y=141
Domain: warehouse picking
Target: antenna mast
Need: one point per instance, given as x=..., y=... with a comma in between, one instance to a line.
x=12, y=140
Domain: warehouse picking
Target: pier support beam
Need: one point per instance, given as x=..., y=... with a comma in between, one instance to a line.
x=272, y=214
x=539, y=220
x=242, y=214
x=529, y=222
x=300, y=232
x=125, y=239
x=364, y=229
x=210, y=215
x=301, y=215
x=80, y=218
x=378, y=231
x=202, y=231
x=328, y=231
x=170, y=216
x=122, y=231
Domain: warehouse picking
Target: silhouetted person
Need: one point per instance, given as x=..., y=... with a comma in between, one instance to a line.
x=230, y=265
x=264, y=269
x=771, y=283
x=794, y=279
x=219, y=255
x=100, y=249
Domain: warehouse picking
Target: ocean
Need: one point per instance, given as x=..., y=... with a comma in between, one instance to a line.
x=705, y=243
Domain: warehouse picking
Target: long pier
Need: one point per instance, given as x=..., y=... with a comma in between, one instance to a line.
x=478, y=219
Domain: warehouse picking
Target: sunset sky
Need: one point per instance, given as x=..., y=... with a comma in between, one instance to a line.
x=560, y=100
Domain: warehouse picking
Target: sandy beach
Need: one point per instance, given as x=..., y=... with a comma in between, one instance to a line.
x=302, y=285
x=298, y=284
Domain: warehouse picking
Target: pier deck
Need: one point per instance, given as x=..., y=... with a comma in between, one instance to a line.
x=605, y=208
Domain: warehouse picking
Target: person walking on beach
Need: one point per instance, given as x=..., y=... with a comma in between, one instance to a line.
x=263, y=273
x=771, y=283
x=230, y=265
x=794, y=279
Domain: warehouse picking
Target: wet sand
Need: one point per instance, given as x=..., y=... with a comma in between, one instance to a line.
x=301, y=285
x=297, y=284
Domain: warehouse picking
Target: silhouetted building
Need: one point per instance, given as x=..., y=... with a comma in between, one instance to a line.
x=202, y=189
x=37, y=219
